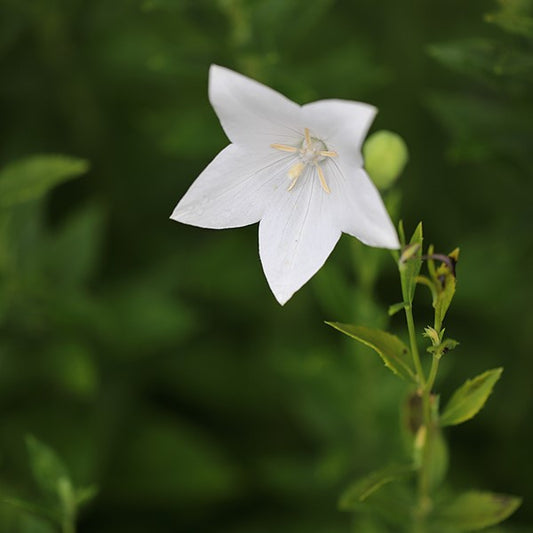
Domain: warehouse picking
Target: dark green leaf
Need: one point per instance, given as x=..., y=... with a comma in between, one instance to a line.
x=468, y=56
x=514, y=17
x=468, y=400
x=359, y=491
x=474, y=510
x=30, y=178
x=48, y=470
x=392, y=503
x=71, y=254
x=85, y=495
x=31, y=508
x=392, y=350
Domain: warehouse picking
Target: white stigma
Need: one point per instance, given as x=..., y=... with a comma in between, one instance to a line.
x=311, y=152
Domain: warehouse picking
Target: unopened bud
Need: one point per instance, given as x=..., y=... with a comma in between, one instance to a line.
x=385, y=155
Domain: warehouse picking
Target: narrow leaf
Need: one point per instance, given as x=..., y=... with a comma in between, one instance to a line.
x=474, y=510
x=31, y=508
x=392, y=350
x=48, y=470
x=410, y=264
x=468, y=399
x=30, y=178
x=359, y=491
x=512, y=22
x=71, y=254
x=395, y=308
x=85, y=495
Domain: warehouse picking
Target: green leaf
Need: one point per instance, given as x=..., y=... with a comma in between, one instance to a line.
x=468, y=400
x=30, y=178
x=514, y=17
x=467, y=56
x=31, y=508
x=410, y=264
x=395, y=308
x=48, y=470
x=85, y=495
x=71, y=254
x=475, y=510
x=392, y=350
x=393, y=503
x=447, y=345
x=359, y=491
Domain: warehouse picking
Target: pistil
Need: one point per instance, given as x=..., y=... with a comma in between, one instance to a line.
x=312, y=152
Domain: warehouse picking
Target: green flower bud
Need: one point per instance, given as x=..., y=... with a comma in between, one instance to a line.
x=385, y=156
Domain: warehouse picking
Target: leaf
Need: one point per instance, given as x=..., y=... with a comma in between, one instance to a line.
x=467, y=56
x=392, y=350
x=393, y=503
x=30, y=178
x=514, y=17
x=71, y=254
x=47, y=468
x=359, y=491
x=410, y=264
x=476, y=124
x=84, y=495
x=468, y=399
x=447, y=345
x=31, y=508
x=475, y=510
x=395, y=308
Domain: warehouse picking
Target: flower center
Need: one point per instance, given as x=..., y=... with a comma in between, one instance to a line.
x=311, y=153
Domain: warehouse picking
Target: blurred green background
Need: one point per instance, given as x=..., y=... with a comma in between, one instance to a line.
x=152, y=356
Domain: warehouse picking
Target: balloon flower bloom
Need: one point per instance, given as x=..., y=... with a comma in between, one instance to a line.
x=297, y=170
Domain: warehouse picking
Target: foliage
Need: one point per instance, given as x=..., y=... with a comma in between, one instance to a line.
x=152, y=358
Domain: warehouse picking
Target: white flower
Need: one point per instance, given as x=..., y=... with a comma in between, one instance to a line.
x=297, y=170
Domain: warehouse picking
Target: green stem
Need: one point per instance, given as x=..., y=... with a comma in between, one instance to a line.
x=68, y=525
x=424, y=501
x=423, y=473
x=432, y=374
x=414, y=346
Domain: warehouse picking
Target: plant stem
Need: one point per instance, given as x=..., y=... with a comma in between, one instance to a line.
x=68, y=525
x=432, y=374
x=414, y=346
x=424, y=390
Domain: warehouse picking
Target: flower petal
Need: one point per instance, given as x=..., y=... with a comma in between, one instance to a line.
x=341, y=124
x=233, y=190
x=251, y=113
x=357, y=205
x=296, y=236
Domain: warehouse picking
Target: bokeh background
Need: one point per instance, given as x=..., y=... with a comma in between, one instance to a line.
x=152, y=356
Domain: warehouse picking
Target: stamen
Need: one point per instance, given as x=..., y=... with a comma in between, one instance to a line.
x=311, y=152
x=284, y=148
x=294, y=173
x=307, y=137
x=322, y=178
